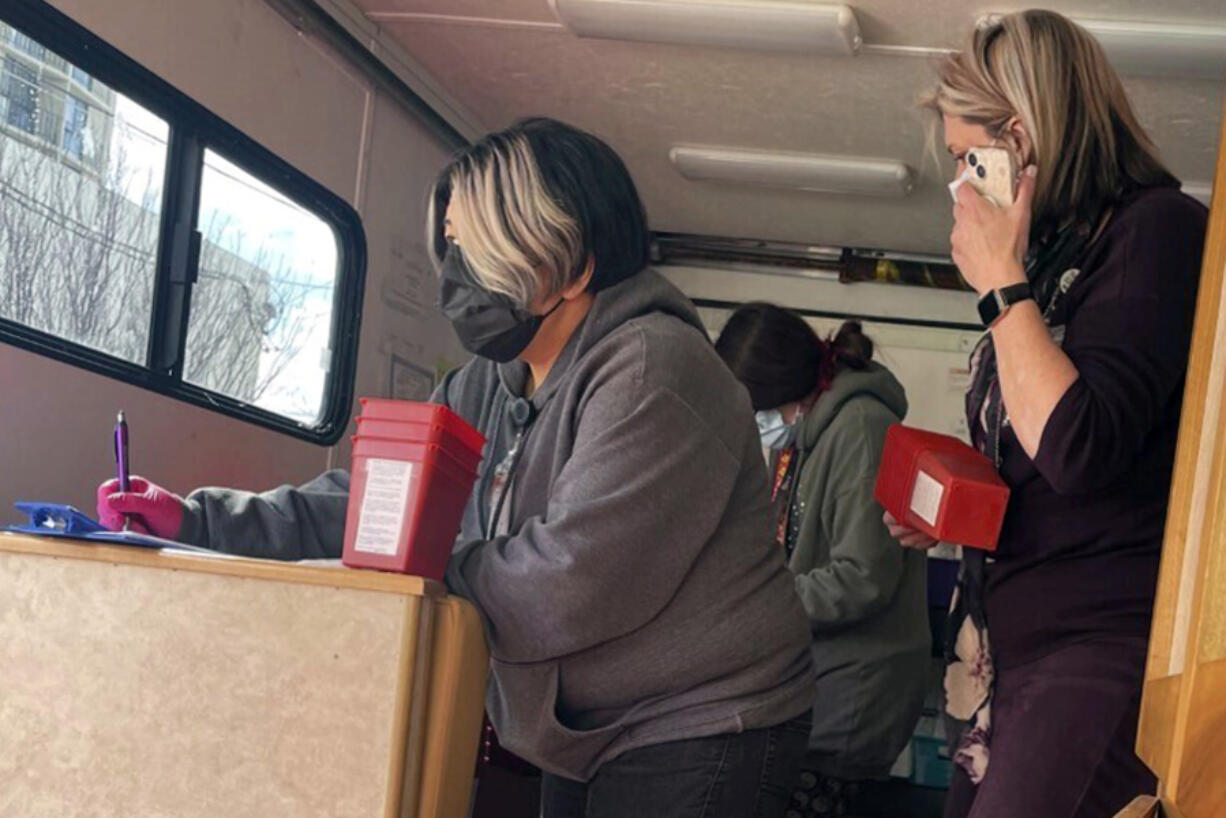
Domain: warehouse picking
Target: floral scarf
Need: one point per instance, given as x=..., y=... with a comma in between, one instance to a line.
x=970, y=672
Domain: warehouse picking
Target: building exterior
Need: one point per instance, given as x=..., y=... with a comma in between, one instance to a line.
x=53, y=105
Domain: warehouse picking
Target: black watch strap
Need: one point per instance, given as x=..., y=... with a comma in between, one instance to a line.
x=993, y=304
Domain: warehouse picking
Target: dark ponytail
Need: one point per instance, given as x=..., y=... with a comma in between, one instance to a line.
x=852, y=348
x=780, y=359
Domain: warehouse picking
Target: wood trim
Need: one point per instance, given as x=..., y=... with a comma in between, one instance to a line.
x=1169, y=810
x=419, y=710
x=1201, y=791
x=1197, y=400
x=1164, y=706
x=1156, y=728
x=1213, y=528
x=1145, y=806
x=459, y=673
x=222, y=564
x=1184, y=713
x=401, y=798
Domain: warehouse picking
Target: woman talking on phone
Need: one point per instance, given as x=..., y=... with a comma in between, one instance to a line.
x=1088, y=283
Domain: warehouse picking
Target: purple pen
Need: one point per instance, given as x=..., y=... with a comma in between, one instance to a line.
x=121, y=458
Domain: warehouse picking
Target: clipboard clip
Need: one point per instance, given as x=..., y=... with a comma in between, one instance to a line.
x=56, y=518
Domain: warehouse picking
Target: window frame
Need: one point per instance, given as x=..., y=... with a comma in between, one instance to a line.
x=192, y=130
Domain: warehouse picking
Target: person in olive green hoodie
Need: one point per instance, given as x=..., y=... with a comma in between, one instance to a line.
x=823, y=408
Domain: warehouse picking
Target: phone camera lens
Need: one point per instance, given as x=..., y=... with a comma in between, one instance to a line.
x=981, y=171
x=972, y=159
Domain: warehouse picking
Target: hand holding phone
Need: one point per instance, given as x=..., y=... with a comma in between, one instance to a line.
x=992, y=173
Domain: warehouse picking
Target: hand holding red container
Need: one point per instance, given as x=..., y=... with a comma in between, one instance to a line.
x=942, y=487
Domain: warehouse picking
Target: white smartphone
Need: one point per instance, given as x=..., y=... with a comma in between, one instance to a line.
x=993, y=174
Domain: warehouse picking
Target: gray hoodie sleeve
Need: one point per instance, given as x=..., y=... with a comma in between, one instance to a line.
x=644, y=489
x=287, y=523
x=866, y=564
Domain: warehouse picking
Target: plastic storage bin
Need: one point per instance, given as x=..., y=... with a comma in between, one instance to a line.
x=413, y=470
x=941, y=486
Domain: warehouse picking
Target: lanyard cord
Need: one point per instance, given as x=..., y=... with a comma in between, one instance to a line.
x=483, y=486
x=503, y=490
x=523, y=413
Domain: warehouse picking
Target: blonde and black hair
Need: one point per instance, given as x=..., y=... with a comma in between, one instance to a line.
x=1053, y=75
x=540, y=202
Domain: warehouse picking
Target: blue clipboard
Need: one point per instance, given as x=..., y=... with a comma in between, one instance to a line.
x=68, y=522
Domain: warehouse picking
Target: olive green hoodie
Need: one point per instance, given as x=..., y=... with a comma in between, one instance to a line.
x=864, y=594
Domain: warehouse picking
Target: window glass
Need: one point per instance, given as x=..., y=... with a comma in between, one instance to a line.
x=76, y=122
x=261, y=315
x=99, y=269
x=81, y=78
x=80, y=203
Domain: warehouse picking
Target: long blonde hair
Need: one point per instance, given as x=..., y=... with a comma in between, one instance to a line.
x=1053, y=76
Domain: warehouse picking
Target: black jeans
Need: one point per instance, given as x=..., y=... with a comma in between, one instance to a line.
x=736, y=775
x=1064, y=734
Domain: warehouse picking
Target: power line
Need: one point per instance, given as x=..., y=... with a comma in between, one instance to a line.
x=87, y=232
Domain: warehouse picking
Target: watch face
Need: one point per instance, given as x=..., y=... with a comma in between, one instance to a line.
x=989, y=308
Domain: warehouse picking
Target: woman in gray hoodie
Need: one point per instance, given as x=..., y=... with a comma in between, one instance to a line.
x=648, y=653
x=823, y=408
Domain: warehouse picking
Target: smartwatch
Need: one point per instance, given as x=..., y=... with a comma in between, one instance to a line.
x=994, y=304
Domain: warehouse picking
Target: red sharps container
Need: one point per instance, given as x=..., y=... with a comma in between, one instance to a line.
x=414, y=465
x=939, y=485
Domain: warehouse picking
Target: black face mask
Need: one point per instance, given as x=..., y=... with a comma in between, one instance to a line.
x=488, y=324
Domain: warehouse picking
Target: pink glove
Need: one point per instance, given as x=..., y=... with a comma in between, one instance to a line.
x=151, y=509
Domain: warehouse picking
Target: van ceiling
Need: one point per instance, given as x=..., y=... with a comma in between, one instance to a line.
x=506, y=59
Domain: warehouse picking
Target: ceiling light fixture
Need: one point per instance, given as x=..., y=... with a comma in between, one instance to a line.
x=813, y=28
x=808, y=172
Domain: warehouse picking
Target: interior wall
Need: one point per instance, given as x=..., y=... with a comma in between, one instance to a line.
x=293, y=95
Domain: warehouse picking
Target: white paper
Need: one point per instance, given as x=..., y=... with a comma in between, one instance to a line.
x=926, y=498
x=384, y=503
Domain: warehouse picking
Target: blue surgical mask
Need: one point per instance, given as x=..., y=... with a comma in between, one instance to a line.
x=776, y=433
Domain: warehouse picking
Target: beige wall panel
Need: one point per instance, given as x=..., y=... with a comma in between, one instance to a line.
x=399, y=317
x=63, y=449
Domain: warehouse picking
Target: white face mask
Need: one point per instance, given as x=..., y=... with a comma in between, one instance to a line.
x=776, y=433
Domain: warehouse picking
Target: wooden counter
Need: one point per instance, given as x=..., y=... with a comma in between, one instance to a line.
x=142, y=683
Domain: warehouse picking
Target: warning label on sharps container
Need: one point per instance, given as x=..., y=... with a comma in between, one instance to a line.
x=926, y=498
x=384, y=503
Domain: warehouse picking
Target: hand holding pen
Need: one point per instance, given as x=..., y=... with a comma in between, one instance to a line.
x=131, y=503
x=121, y=461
